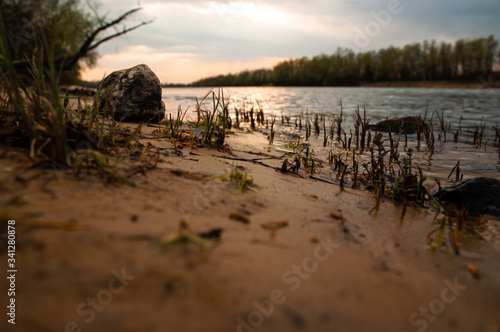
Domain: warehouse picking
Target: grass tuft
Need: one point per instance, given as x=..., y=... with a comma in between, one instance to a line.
x=36, y=118
x=241, y=179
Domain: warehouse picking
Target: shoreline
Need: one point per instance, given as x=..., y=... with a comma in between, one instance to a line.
x=296, y=253
x=86, y=88
x=395, y=84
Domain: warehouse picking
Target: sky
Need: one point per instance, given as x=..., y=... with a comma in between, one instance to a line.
x=192, y=39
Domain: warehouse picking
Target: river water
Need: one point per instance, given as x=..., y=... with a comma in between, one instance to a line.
x=462, y=108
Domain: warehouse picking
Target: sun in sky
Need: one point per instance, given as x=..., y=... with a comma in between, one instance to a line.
x=255, y=12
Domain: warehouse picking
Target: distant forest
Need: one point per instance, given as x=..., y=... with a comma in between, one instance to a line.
x=465, y=60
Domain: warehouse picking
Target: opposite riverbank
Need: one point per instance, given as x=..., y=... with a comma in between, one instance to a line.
x=433, y=84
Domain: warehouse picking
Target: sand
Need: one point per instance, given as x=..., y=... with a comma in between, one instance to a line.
x=296, y=254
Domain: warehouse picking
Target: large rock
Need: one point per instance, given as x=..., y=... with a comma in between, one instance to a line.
x=132, y=95
x=408, y=124
x=481, y=195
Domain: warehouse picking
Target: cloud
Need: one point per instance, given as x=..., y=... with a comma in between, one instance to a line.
x=172, y=67
x=242, y=34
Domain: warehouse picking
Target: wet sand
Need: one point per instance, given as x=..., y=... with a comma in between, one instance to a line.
x=296, y=254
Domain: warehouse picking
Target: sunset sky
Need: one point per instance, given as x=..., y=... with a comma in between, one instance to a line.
x=189, y=40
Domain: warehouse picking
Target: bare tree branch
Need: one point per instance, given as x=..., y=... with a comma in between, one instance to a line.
x=118, y=34
x=88, y=45
x=65, y=62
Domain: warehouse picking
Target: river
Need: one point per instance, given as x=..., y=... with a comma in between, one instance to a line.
x=462, y=108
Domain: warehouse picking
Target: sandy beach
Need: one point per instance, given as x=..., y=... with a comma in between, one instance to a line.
x=294, y=254
x=249, y=166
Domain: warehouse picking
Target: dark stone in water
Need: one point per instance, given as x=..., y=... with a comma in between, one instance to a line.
x=481, y=195
x=132, y=95
x=408, y=124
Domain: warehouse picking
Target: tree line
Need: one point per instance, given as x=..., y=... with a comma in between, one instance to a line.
x=464, y=60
